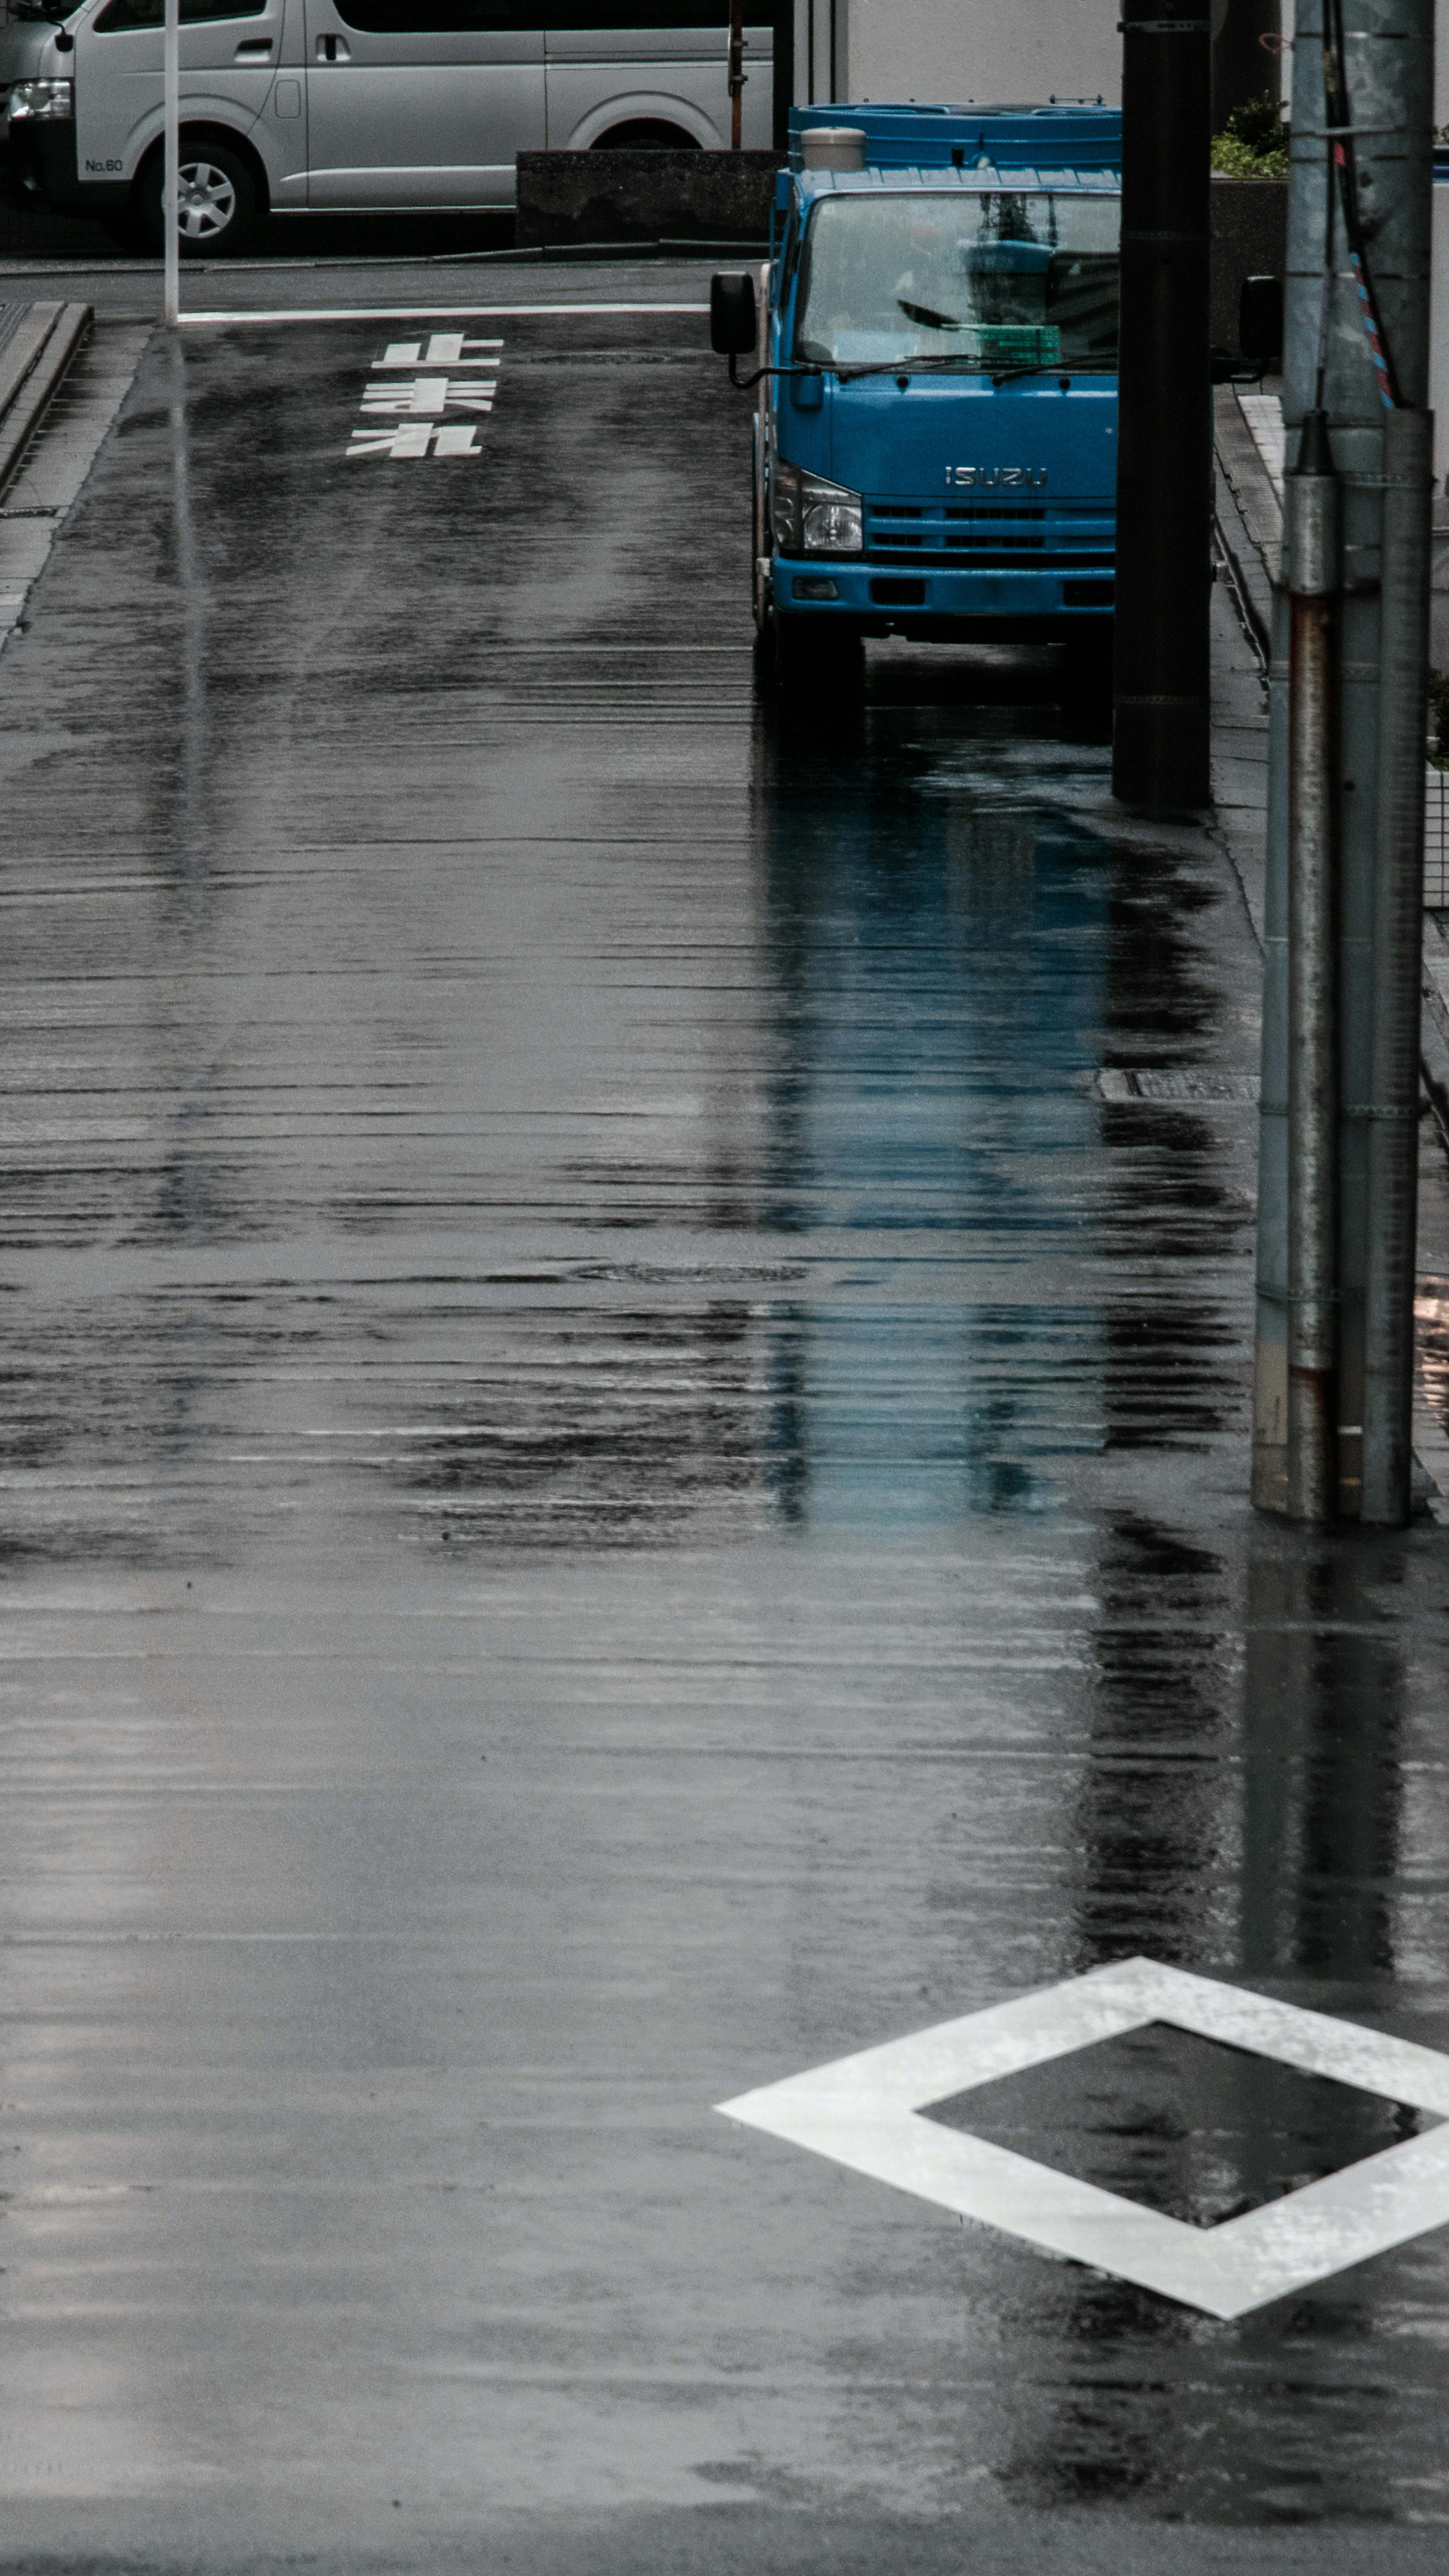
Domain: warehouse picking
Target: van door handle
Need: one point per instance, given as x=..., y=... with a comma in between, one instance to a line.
x=333, y=49
x=253, y=50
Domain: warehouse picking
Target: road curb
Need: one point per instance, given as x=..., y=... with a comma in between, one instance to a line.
x=37, y=344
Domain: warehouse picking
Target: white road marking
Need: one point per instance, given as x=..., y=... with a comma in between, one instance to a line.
x=429, y=394
x=443, y=438
x=424, y=312
x=427, y=398
x=445, y=349
x=864, y=2111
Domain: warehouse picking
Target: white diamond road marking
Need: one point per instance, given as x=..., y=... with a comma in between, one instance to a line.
x=401, y=397
x=865, y=2112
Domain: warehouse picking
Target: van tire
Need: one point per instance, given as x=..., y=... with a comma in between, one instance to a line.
x=219, y=199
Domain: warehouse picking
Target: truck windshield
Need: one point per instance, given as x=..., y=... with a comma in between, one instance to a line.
x=994, y=280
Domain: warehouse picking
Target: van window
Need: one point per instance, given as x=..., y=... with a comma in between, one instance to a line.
x=122, y=14
x=519, y=17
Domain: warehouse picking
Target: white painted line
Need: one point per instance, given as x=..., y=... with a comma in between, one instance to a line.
x=423, y=312
x=864, y=2112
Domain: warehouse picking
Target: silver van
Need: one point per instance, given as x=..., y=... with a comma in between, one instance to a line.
x=348, y=105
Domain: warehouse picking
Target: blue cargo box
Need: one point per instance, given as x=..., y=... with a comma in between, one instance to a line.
x=1066, y=134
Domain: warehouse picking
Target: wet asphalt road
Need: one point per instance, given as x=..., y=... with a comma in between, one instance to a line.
x=620, y=1478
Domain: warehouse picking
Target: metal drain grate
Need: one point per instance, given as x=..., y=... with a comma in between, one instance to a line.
x=1182, y=1084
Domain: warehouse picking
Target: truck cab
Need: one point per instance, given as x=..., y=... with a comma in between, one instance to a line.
x=935, y=349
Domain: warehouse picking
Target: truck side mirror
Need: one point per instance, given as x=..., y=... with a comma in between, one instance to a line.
x=1260, y=320
x=733, y=321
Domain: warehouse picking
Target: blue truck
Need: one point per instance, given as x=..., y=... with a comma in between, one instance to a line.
x=934, y=348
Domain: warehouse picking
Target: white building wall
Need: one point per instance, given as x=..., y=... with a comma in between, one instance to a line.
x=984, y=50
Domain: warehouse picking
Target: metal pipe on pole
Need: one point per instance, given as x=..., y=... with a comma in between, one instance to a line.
x=1164, y=436
x=1355, y=397
x=171, y=197
x=1311, y=563
x=1398, y=944
x=736, y=72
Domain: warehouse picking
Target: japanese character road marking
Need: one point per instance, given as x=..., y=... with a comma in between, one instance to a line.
x=445, y=438
x=429, y=396
x=445, y=349
x=399, y=396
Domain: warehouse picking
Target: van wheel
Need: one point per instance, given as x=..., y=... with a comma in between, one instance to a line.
x=218, y=200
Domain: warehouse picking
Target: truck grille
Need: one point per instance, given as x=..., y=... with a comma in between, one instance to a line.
x=987, y=534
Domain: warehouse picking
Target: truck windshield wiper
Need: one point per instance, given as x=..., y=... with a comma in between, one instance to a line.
x=928, y=320
x=904, y=366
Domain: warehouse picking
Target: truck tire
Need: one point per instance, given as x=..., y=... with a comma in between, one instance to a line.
x=218, y=199
x=815, y=660
x=1087, y=669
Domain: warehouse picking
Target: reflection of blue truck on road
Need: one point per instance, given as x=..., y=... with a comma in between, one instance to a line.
x=935, y=434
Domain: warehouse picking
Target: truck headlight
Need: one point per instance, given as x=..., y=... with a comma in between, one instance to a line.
x=814, y=517
x=37, y=99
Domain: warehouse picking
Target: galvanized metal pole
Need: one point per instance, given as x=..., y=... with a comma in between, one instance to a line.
x=171, y=110
x=1356, y=352
x=1311, y=567
x=1164, y=436
x=1393, y=1126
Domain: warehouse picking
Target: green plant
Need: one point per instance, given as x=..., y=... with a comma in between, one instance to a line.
x=1260, y=122
x=1254, y=142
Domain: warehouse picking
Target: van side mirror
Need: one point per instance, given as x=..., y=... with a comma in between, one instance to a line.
x=733, y=317
x=1260, y=320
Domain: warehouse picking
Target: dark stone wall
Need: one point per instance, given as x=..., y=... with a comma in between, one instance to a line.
x=1250, y=239
x=566, y=197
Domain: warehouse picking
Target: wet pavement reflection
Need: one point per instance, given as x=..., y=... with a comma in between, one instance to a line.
x=623, y=1472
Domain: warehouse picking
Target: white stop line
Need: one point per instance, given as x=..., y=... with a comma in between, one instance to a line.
x=411, y=412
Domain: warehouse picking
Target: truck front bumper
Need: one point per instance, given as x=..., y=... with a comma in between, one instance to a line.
x=881, y=599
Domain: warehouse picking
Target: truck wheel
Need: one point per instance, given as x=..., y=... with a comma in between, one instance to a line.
x=218, y=200
x=1087, y=669
x=816, y=660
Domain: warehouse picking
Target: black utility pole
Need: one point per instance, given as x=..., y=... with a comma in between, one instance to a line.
x=1164, y=437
